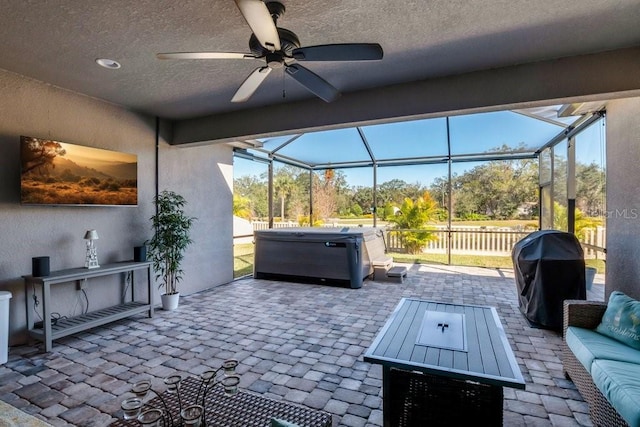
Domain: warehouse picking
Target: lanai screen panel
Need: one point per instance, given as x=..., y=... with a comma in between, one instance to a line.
x=430, y=177
x=560, y=176
x=327, y=147
x=499, y=132
x=410, y=139
x=590, y=171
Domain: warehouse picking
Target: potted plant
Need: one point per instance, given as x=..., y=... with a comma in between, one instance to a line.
x=171, y=237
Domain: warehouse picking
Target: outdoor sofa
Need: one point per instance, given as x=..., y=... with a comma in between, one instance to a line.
x=601, y=355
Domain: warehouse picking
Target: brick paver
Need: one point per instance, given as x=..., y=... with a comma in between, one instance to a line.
x=299, y=342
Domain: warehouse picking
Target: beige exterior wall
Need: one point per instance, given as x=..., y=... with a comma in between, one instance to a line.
x=202, y=175
x=623, y=197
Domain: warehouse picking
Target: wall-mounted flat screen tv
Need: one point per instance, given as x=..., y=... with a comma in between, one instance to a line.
x=59, y=173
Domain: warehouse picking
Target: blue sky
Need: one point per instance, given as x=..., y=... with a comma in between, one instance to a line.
x=470, y=134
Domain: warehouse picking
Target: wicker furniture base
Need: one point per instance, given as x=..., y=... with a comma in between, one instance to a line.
x=240, y=410
x=418, y=399
x=587, y=314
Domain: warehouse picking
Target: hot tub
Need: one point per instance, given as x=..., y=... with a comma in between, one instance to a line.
x=325, y=255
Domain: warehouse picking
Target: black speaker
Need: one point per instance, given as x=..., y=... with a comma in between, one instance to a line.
x=140, y=253
x=40, y=266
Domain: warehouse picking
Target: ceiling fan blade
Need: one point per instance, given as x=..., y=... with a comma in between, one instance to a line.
x=204, y=55
x=339, y=52
x=249, y=86
x=314, y=83
x=257, y=15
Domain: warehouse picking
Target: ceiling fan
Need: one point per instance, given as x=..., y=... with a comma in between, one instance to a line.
x=280, y=47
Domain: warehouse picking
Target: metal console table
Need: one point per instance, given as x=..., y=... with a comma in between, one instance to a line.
x=63, y=327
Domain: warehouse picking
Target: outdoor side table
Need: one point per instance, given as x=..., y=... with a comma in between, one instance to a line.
x=443, y=364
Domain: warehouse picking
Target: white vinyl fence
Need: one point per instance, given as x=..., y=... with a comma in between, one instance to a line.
x=469, y=240
x=464, y=241
x=594, y=241
x=263, y=225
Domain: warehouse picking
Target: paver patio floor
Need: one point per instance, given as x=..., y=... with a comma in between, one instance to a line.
x=299, y=342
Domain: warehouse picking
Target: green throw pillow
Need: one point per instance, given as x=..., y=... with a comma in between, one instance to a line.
x=621, y=319
x=275, y=422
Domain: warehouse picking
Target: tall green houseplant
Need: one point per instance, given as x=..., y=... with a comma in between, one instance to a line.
x=171, y=226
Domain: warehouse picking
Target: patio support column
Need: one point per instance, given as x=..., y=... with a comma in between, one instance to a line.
x=310, y=197
x=449, y=202
x=551, y=185
x=375, y=174
x=571, y=185
x=270, y=192
x=449, y=207
x=375, y=194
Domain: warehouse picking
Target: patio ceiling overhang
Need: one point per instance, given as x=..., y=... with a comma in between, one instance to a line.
x=501, y=135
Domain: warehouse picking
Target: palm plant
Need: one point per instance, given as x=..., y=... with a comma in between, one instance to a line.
x=171, y=238
x=414, y=216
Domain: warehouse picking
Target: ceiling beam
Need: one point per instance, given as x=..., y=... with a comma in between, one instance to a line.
x=606, y=75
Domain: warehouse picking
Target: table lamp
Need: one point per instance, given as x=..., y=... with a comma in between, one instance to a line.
x=91, y=259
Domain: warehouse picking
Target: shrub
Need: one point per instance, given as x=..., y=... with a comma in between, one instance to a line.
x=414, y=215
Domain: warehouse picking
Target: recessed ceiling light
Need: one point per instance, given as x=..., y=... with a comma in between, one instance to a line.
x=108, y=63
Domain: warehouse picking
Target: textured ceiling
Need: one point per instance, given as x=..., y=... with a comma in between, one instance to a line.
x=58, y=41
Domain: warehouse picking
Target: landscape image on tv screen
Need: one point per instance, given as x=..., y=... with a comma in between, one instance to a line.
x=59, y=173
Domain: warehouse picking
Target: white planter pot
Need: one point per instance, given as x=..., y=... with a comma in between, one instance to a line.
x=170, y=302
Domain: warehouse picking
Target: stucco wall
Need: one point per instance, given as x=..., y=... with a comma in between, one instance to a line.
x=203, y=175
x=33, y=108
x=623, y=197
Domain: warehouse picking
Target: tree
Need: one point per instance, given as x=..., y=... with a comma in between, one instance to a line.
x=496, y=189
x=39, y=154
x=363, y=196
x=387, y=212
x=590, y=189
x=440, y=191
x=299, y=198
x=582, y=222
x=283, y=184
x=396, y=190
x=356, y=210
x=254, y=189
x=324, y=195
x=560, y=177
x=414, y=215
x=241, y=207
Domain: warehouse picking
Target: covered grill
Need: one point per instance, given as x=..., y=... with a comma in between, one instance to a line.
x=549, y=268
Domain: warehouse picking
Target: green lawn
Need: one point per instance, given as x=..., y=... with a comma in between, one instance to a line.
x=243, y=260
x=474, y=260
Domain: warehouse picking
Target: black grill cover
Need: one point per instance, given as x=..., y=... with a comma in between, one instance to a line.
x=549, y=268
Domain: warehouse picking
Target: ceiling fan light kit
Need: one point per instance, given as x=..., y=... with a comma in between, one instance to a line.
x=279, y=48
